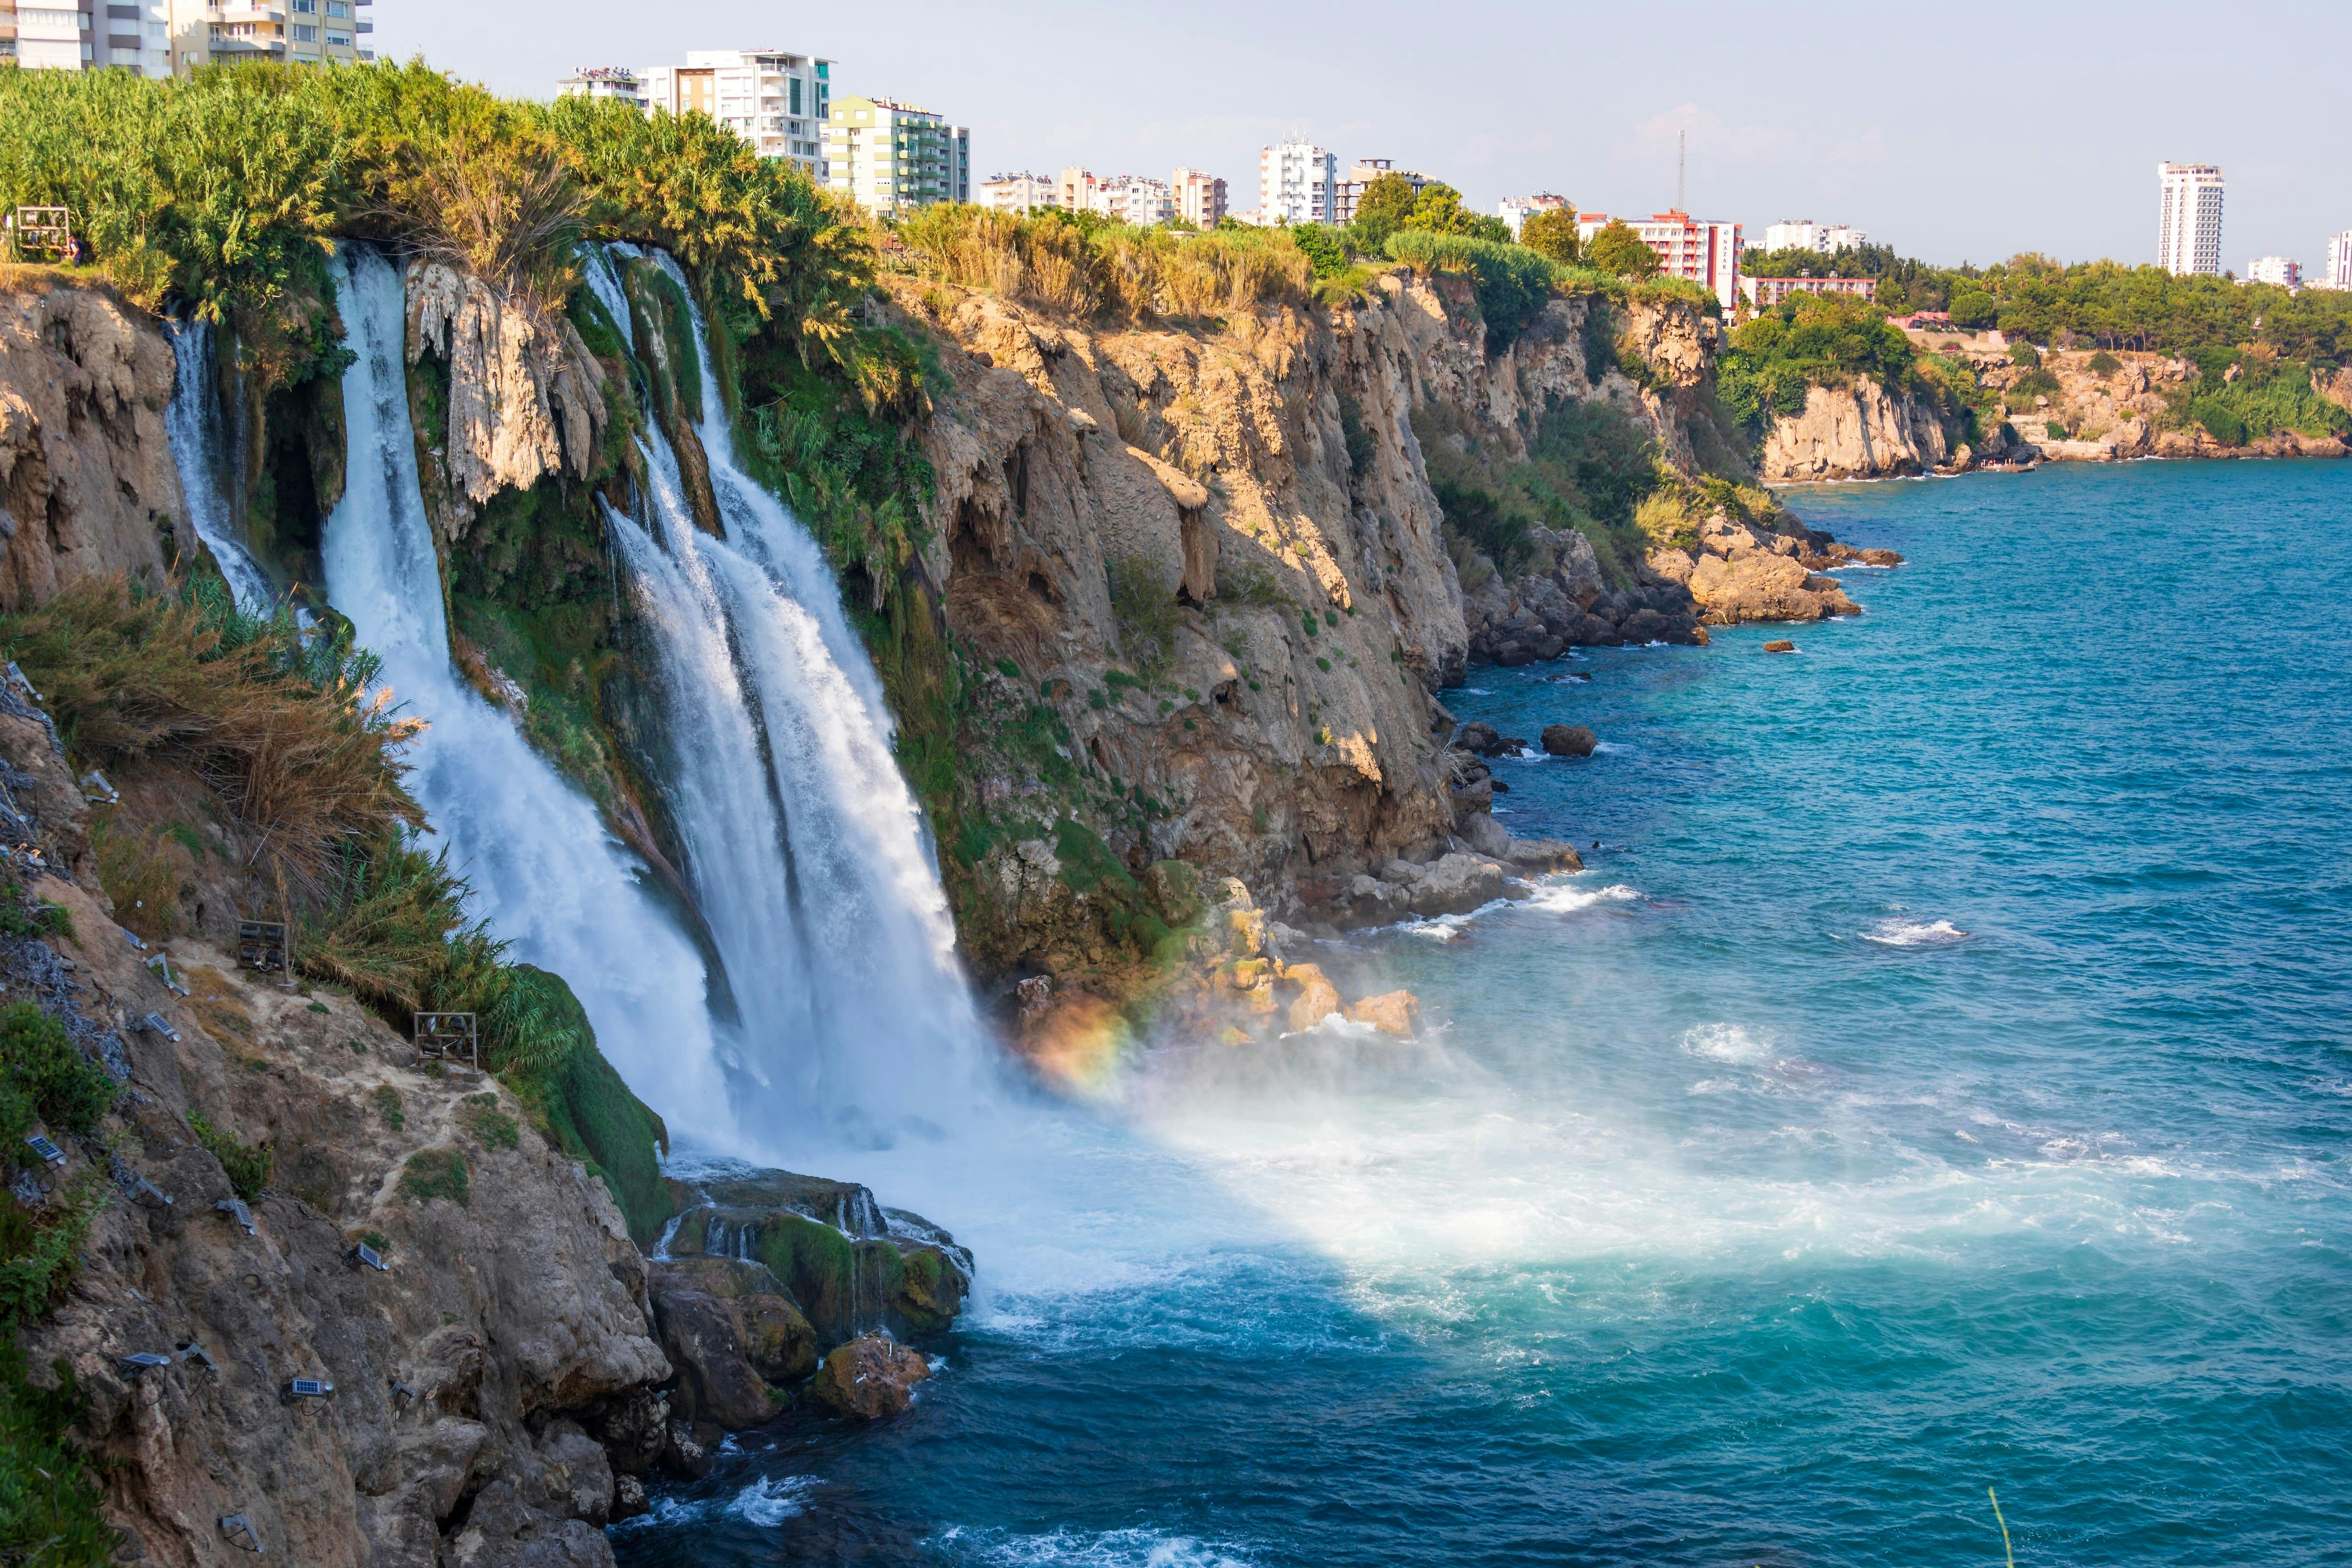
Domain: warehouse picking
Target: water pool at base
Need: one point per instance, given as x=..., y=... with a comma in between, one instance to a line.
x=1939, y=1079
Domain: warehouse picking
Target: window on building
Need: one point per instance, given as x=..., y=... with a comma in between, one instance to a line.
x=305, y=35
x=306, y=7
x=341, y=40
x=338, y=7
x=796, y=95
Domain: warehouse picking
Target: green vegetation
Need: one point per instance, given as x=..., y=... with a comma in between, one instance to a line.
x=433, y=1173
x=43, y=1081
x=248, y=1168
x=1823, y=340
x=1617, y=250
x=489, y=1126
x=1553, y=233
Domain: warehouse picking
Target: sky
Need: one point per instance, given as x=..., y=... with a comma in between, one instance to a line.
x=1964, y=134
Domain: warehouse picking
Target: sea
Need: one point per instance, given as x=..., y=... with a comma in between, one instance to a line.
x=1918, y=1135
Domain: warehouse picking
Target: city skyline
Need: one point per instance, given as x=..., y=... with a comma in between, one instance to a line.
x=2014, y=157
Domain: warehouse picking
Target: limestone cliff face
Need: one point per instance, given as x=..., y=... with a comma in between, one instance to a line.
x=1215, y=559
x=87, y=485
x=1854, y=431
x=525, y=397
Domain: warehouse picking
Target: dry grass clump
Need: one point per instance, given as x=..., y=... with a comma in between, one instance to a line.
x=1049, y=261
x=279, y=729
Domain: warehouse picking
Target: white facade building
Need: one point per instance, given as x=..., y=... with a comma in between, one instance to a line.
x=157, y=37
x=776, y=100
x=1704, y=251
x=1020, y=192
x=2339, y=260
x=2189, y=240
x=1298, y=182
x=1135, y=200
x=2276, y=270
x=1805, y=234
x=1516, y=210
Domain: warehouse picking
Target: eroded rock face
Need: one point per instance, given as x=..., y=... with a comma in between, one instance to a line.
x=525, y=397
x=87, y=484
x=1853, y=432
x=1739, y=572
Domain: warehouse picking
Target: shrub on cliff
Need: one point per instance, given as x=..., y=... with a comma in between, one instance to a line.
x=1553, y=233
x=1050, y=260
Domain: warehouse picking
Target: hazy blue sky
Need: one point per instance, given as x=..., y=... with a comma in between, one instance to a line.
x=1968, y=133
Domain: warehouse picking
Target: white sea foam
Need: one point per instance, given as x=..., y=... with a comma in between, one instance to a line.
x=1896, y=932
x=1567, y=898
x=771, y=1499
x=1612, y=748
x=1133, y=1548
x=1725, y=1043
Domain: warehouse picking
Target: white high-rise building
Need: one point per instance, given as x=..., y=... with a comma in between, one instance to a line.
x=2278, y=269
x=892, y=157
x=776, y=100
x=1805, y=234
x=1298, y=182
x=2339, y=260
x=1019, y=193
x=2189, y=242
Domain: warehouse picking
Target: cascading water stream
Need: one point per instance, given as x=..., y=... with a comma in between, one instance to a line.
x=803, y=845
x=545, y=871
x=200, y=449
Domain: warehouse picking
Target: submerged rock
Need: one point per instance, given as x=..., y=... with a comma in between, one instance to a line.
x=870, y=1377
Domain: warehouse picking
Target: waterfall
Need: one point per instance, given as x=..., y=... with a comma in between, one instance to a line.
x=546, y=873
x=200, y=451
x=805, y=847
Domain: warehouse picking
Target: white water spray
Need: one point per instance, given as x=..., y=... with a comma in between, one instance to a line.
x=200, y=451
x=804, y=846
x=545, y=871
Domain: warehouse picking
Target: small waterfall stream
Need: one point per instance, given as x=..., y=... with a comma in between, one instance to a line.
x=200, y=451
x=545, y=871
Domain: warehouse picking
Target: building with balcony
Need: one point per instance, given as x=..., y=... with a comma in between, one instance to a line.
x=1199, y=197
x=1347, y=192
x=290, y=32
x=1702, y=251
x=603, y=81
x=1298, y=182
x=2188, y=236
x=1763, y=293
x=1516, y=210
x=1805, y=234
x=774, y=98
x=2339, y=261
x=894, y=157
x=1020, y=192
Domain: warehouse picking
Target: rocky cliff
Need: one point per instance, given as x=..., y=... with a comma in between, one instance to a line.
x=1859, y=431
x=87, y=485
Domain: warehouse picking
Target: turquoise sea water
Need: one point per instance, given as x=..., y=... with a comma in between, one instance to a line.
x=1941, y=1078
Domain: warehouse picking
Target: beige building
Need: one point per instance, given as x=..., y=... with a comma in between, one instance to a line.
x=1199, y=197
x=774, y=98
x=291, y=32
x=1350, y=191
x=893, y=157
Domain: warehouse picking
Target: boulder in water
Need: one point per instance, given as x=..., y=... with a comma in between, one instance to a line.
x=1317, y=998
x=1456, y=884
x=1779, y=645
x=1569, y=740
x=1544, y=855
x=1392, y=1013
x=869, y=1378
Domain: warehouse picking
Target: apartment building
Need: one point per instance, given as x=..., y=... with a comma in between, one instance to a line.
x=1516, y=210
x=1019, y=193
x=603, y=81
x=290, y=32
x=774, y=98
x=1298, y=182
x=1360, y=175
x=159, y=37
x=2188, y=239
x=1805, y=234
x=1199, y=197
x=2339, y=260
x=1766, y=292
x=894, y=157
x=1702, y=250
x=2278, y=269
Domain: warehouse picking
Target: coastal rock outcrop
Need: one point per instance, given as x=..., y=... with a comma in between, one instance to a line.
x=869, y=1378
x=1855, y=432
